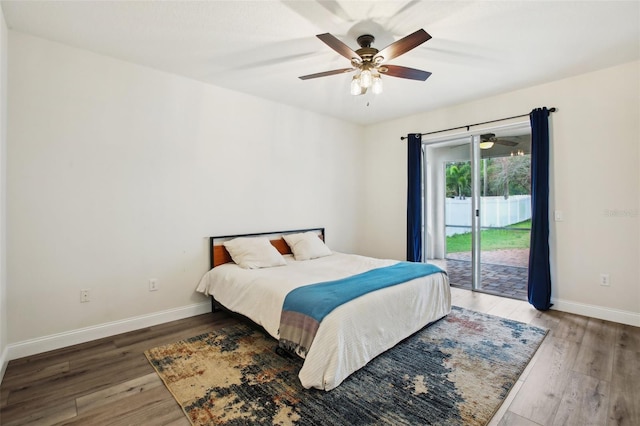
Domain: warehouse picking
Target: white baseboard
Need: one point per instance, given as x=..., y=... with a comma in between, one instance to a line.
x=87, y=334
x=3, y=363
x=608, y=314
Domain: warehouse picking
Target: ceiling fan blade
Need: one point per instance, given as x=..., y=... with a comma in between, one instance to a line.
x=505, y=142
x=404, y=72
x=338, y=46
x=403, y=45
x=326, y=73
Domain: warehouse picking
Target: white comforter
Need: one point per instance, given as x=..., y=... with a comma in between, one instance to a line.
x=351, y=335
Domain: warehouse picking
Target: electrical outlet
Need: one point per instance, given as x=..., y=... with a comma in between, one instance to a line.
x=153, y=284
x=84, y=296
x=604, y=280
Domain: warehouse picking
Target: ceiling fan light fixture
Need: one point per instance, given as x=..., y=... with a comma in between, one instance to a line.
x=486, y=145
x=376, y=84
x=365, y=78
x=356, y=89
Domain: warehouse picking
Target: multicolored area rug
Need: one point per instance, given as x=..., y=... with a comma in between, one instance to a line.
x=456, y=371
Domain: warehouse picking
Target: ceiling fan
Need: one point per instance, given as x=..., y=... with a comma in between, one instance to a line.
x=370, y=63
x=489, y=139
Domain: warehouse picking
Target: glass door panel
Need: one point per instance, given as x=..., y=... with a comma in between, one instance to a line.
x=505, y=219
x=458, y=222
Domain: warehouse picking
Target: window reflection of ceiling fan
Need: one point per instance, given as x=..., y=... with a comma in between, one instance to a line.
x=370, y=63
x=489, y=139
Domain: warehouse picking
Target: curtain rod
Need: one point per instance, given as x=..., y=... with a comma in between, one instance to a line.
x=552, y=109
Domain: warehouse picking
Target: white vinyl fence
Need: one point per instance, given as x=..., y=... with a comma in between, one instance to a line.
x=495, y=212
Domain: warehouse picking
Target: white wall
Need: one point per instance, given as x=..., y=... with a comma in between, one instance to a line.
x=595, y=154
x=118, y=173
x=3, y=192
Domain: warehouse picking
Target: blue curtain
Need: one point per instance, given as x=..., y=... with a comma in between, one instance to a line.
x=414, y=198
x=539, y=284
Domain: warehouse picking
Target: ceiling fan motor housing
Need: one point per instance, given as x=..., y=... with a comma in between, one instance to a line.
x=366, y=52
x=488, y=137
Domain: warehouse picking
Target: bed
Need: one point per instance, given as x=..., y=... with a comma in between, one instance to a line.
x=351, y=334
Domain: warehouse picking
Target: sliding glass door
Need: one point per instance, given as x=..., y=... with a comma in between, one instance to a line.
x=477, y=210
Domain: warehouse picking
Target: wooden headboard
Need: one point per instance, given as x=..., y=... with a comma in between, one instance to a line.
x=220, y=255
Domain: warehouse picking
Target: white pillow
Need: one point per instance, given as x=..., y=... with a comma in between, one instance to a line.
x=306, y=246
x=254, y=253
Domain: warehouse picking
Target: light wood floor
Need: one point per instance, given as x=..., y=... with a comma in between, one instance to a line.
x=586, y=372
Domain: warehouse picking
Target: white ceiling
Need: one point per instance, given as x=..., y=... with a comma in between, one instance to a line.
x=479, y=48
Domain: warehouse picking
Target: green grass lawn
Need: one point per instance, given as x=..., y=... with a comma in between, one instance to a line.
x=493, y=239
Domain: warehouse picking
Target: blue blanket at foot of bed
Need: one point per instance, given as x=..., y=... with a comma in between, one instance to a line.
x=305, y=307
